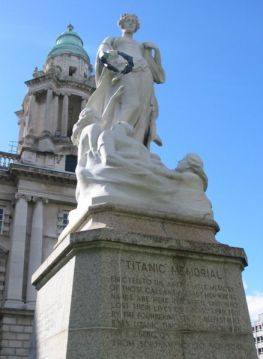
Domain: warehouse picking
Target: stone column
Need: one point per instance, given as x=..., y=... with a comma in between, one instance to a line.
x=64, y=124
x=14, y=296
x=55, y=113
x=30, y=122
x=35, y=252
x=48, y=117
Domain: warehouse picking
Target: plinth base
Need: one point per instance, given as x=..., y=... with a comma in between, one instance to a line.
x=144, y=221
x=108, y=294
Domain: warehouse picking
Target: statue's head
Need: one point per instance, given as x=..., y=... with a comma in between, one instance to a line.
x=128, y=19
x=193, y=163
x=189, y=161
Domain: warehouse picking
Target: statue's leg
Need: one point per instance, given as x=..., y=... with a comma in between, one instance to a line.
x=130, y=107
x=136, y=102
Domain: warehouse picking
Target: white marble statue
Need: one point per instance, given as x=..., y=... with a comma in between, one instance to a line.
x=113, y=133
x=114, y=167
x=128, y=69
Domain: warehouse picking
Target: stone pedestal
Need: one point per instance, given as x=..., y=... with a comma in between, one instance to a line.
x=112, y=294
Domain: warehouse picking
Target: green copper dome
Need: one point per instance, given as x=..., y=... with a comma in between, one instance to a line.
x=69, y=42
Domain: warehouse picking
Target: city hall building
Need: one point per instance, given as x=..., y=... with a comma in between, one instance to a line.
x=37, y=183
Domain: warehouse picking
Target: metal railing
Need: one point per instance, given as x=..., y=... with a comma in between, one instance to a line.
x=6, y=158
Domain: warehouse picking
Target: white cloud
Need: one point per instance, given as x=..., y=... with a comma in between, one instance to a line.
x=245, y=285
x=255, y=305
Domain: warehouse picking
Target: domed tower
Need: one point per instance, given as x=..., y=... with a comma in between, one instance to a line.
x=37, y=190
x=55, y=97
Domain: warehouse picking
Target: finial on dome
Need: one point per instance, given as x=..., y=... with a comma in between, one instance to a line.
x=70, y=27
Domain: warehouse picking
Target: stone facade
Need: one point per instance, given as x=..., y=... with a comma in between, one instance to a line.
x=37, y=185
x=16, y=331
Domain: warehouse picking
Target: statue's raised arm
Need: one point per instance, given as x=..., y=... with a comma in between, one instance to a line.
x=125, y=74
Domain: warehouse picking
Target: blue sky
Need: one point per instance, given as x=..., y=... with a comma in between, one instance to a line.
x=211, y=103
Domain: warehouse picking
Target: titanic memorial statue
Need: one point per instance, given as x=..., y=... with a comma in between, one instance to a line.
x=138, y=272
x=114, y=133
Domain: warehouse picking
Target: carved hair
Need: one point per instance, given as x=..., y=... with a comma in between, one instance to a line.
x=125, y=16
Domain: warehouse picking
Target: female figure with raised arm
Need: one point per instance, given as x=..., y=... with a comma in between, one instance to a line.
x=125, y=74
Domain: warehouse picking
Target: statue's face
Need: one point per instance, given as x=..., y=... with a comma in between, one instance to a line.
x=129, y=24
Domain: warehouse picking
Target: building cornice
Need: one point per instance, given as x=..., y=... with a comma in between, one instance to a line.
x=15, y=312
x=18, y=169
x=46, y=79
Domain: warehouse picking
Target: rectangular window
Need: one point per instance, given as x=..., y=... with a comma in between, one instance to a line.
x=62, y=220
x=72, y=70
x=71, y=163
x=65, y=219
x=2, y=215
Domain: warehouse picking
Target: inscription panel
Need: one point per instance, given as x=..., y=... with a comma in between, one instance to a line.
x=175, y=294
x=153, y=295
x=146, y=344
x=175, y=345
